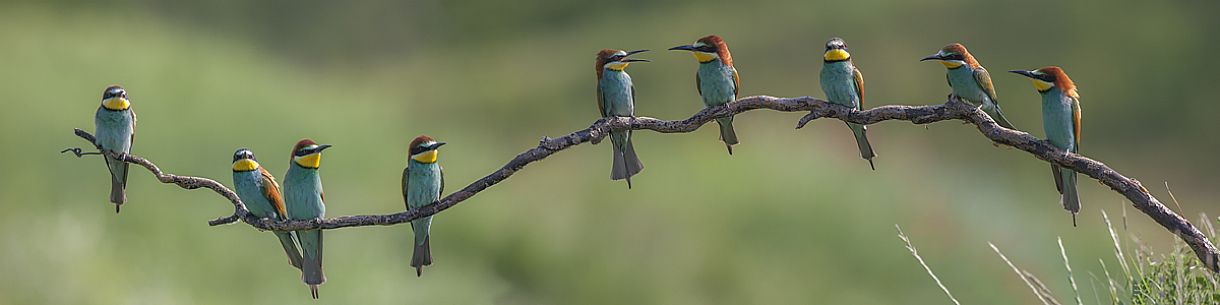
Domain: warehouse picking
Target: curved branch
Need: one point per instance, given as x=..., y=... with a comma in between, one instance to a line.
x=186, y=182
x=817, y=108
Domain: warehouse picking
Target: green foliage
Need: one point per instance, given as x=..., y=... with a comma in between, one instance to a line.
x=1173, y=277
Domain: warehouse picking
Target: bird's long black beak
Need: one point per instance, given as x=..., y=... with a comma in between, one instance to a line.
x=683, y=48
x=321, y=147
x=1025, y=73
x=437, y=145
x=632, y=59
x=932, y=57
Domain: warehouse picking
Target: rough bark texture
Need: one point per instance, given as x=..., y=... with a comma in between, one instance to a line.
x=953, y=109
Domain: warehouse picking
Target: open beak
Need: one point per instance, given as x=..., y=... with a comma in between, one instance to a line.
x=683, y=48
x=1025, y=73
x=936, y=56
x=632, y=59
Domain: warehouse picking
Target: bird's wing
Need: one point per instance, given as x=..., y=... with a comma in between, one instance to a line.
x=698, y=83
x=601, y=100
x=984, y=80
x=859, y=85
x=441, y=191
x=1076, y=123
x=405, y=184
x=736, y=82
x=629, y=88
x=133, y=128
x=271, y=190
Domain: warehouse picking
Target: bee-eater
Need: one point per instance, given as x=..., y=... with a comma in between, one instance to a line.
x=1061, y=121
x=616, y=97
x=303, y=196
x=716, y=80
x=844, y=85
x=970, y=81
x=261, y=194
x=115, y=125
x=423, y=181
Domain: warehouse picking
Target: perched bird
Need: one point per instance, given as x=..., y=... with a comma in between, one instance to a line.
x=1061, y=121
x=716, y=80
x=115, y=127
x=423, y=181
x=844, y=85
x=616, y=97
x=303, y=196
x=261, y=194
x=970, y=81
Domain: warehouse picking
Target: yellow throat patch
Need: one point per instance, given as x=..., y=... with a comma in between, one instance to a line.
x=617, y=66
x=704, y=57
x=116, y=103
x=245, y=165
x=836, y=55
x=1041, y=85
x=310, y=161
x=428, y=157
x=950, y=64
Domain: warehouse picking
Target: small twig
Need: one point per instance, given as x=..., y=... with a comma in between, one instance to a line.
x=79, y=152
x=1174, y=198
x=915, y=253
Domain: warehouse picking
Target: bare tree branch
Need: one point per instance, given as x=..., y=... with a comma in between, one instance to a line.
x=953, y=109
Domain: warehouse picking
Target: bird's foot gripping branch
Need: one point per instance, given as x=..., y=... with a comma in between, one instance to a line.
x=953, y=109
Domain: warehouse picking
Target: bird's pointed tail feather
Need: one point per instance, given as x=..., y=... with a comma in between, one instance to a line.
x=422, y=256
x=290, y=248
x=1070, y=198
x=727, y=133
x=866, y=149
x=118, y=181
x=626, y=162
x=998, y=115
x=311, y=264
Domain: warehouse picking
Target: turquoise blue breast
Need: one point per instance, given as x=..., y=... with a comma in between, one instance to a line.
x=839, y=83
x=616, y=89
x=716, y=83
x=1058, y=120
x=248, y=186
x=965, y=86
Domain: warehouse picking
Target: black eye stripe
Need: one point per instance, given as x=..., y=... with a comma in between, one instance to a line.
x=418, y=149
x=243, y=154
x=112, y=94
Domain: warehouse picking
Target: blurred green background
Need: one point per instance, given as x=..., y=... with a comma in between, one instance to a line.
x=794, y=217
